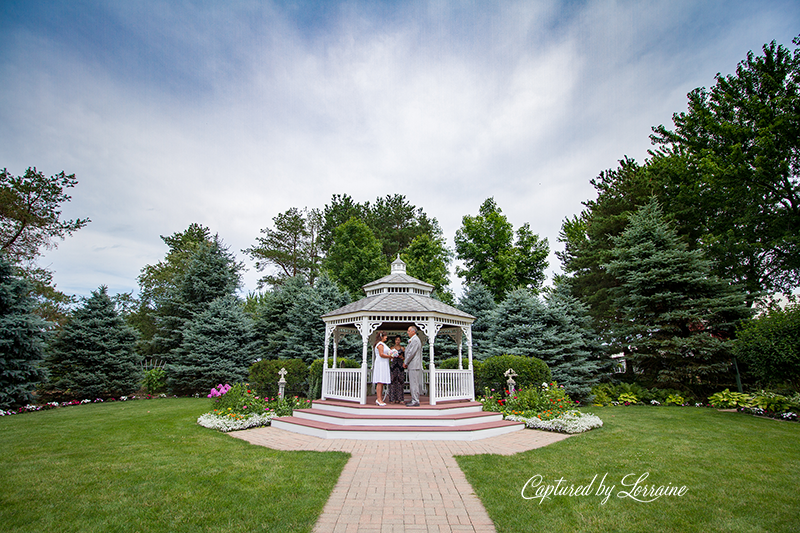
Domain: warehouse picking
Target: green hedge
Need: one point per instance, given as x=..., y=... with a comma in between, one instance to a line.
x=315, y=374
x=530, y=372
x=264, y=377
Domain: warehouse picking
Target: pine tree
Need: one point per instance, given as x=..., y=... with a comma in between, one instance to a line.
x=676, y=318
x=478, y=301
x=218, y=347
x=94, y=356
x=21, y=342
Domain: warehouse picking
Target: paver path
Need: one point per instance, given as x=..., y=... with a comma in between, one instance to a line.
x=410, y=486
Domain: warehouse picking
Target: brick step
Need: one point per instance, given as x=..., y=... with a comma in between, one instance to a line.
x=396, y=417
x=327, y=430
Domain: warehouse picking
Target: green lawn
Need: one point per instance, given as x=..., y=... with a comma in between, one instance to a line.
x=146, y=466
x=741, y=475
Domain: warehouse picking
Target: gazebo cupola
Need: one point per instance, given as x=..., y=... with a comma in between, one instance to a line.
x=393, y=303
x=398, y=282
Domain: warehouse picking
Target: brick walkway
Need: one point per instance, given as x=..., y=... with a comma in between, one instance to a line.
x=412, y=486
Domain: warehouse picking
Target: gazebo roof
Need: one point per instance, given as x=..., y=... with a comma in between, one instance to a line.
x=399, y=293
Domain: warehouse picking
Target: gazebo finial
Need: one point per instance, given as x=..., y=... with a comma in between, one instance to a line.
x=398, y=265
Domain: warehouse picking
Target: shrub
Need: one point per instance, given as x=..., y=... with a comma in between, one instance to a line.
x=452, y=364
x=674, y=399
x=770, y=346
x=315, y=375
x=728, y=400
x=545, y=402
x=264, y=377
x=530, y=372
x=627, y=398
x=155, y=380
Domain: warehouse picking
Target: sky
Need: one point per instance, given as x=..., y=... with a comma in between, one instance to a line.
x=229, y=113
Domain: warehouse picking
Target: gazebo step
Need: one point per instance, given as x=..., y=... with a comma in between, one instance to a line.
x=449, y=407
x=335, y=431
x=396, y=417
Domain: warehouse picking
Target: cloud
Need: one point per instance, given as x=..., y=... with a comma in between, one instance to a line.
x=170, y=115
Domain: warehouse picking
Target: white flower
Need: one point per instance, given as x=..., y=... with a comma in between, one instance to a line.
x=569, y=422
x=226, y=423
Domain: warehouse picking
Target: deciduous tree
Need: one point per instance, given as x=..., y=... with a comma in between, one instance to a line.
x=491, y=255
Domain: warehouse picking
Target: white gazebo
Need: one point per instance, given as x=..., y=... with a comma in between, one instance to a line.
x=392, y=304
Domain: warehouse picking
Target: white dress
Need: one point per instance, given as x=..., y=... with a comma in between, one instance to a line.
x=380, y=365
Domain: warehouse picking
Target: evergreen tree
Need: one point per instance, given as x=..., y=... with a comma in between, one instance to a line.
x=272, y=327
x=571, y=348
x=94, y=356
x=305, y=327
x=478, y=301
x=518, y=325
x=676, y=318
x=210, y=272
x=557, y=331
x=218, y=347
x=21, y=342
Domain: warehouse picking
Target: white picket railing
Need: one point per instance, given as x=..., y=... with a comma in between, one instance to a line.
x=342, y=384
x=454, y=385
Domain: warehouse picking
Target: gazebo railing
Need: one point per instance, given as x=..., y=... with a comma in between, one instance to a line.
x=342, y=384
x=454, y=385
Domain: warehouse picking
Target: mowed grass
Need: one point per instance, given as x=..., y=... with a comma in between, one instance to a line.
x=741, y=475
x=146, y=466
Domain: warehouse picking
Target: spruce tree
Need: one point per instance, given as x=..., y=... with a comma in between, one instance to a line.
x=557, y=331
x=570, y=347
x=305, y=328
x=94, y=354
x=478, y=301
x=21, y=341
x=217, y=347
x=676, y=319
x=210, y=273
x=272, y=317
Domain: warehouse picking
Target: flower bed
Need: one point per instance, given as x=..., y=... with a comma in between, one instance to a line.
x=547, y=407
x=570, y=422
x=32, y=408
x=239, y=407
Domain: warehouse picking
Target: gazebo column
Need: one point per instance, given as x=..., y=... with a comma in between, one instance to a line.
x=471, y=369
x=365, y=327
x=431, y=328
x=325, y=360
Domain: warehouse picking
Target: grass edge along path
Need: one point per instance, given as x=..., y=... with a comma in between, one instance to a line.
x=147, y=466
x=740, y=474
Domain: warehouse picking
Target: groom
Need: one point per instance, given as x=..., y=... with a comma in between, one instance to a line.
x=413, y=363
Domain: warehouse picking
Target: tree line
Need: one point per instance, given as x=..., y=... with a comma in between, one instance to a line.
x=663, y=266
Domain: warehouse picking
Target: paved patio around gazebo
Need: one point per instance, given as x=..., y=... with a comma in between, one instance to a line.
x=411, y=486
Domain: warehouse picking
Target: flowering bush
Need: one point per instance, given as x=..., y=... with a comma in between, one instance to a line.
x=568, y=422
x=546, y=402
x=240, y=407
x=219, y=390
